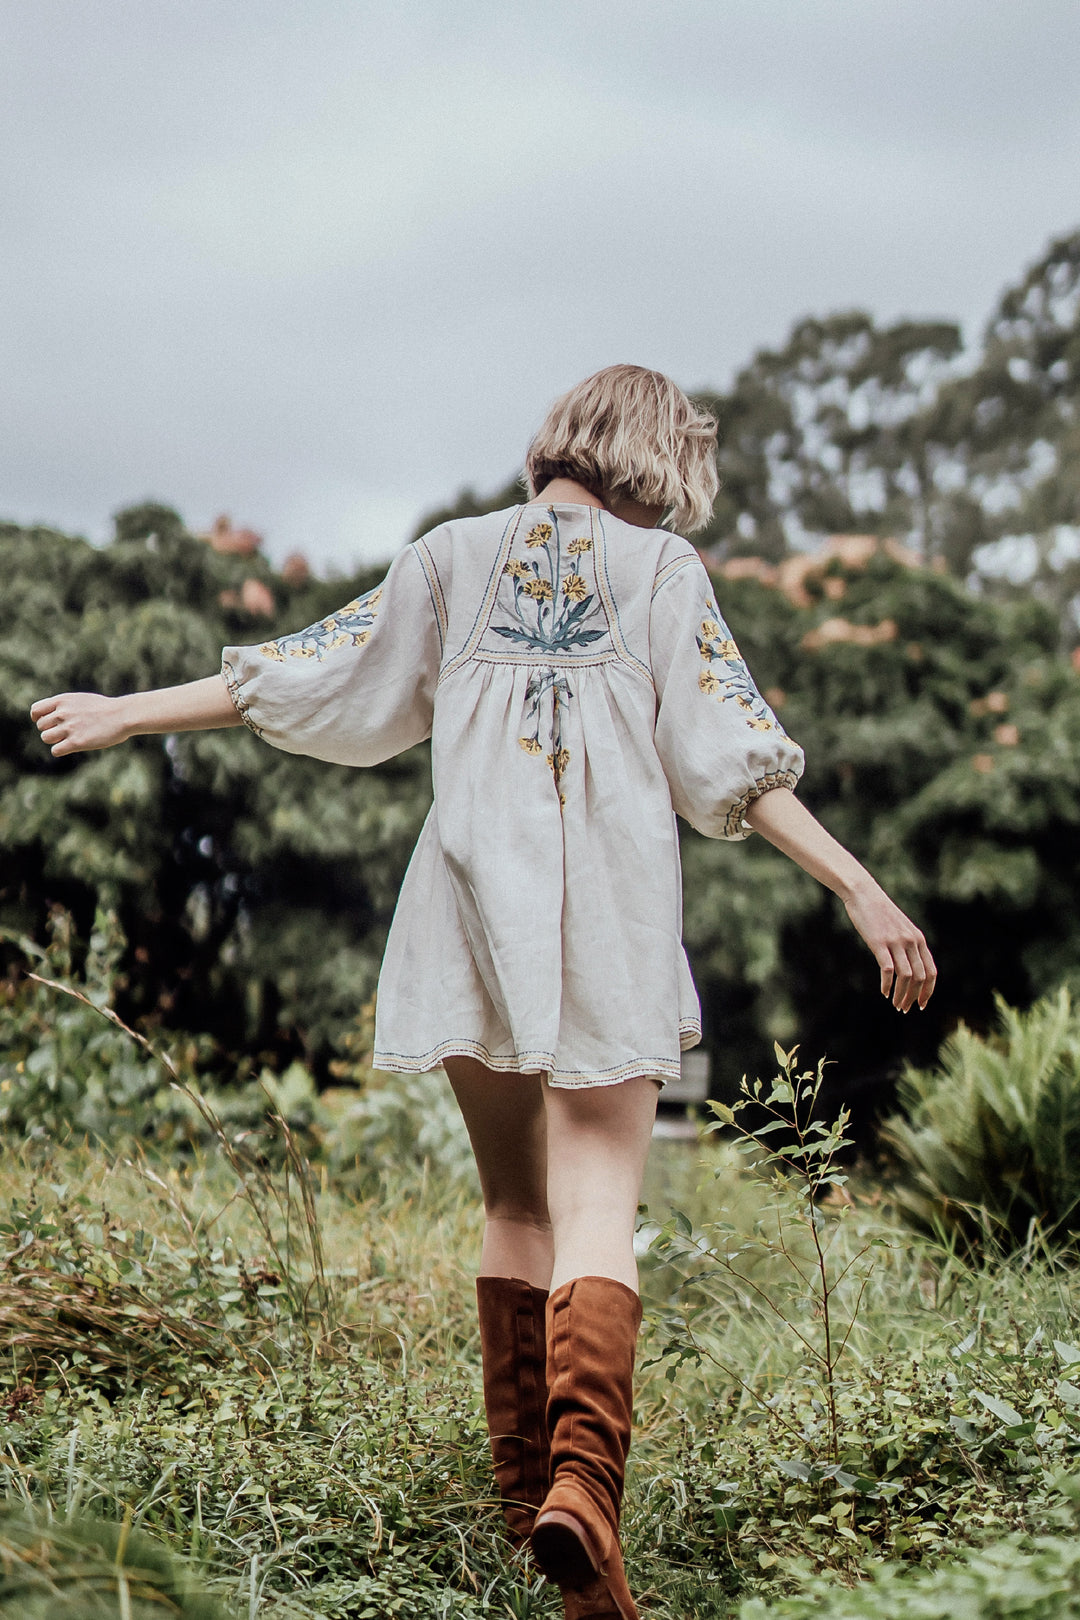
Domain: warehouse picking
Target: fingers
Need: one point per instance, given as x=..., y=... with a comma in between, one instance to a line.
x=915, y=972
x=888, y=971
x=909, y=973
x=54, y=725
x=930, y=973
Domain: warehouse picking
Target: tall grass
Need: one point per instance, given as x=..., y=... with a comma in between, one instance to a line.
x=263, y=1355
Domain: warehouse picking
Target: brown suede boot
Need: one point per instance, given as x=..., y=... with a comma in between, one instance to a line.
x=513, y=1347
x=592, y=1327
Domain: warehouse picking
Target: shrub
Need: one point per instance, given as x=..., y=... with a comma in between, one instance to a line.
x=990, y=1139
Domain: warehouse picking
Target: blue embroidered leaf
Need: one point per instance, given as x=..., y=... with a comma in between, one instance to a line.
x=513, y=634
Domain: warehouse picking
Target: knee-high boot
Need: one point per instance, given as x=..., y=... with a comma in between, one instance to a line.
x=513, y=1348
x=593, y=1324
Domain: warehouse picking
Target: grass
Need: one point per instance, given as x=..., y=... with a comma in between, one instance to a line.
x=328, y=1457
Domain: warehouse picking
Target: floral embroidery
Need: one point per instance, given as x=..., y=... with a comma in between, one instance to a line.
x=552, y=613
x=725, y=676
x=567, y=623
x=350, y=626
x=553, y=683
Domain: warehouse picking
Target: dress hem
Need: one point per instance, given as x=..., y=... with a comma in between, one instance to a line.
x=659, y=1069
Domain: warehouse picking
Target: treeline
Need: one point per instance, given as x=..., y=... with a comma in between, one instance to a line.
x=939, y=711
x=970, y=457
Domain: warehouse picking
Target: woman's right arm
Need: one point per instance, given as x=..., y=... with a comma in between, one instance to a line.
x=76, y=722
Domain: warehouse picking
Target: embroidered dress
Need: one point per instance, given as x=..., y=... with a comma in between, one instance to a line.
x=578, y=684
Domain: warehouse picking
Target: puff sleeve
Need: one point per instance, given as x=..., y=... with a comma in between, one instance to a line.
x=355, y=688
x=720, y=744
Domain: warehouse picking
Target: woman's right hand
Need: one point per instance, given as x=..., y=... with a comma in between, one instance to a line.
x=76, y=722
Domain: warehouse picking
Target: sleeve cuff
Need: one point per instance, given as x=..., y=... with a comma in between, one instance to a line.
x=232, y=684
x=735, y=828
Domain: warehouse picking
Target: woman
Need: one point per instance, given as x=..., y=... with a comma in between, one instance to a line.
x=572, y=668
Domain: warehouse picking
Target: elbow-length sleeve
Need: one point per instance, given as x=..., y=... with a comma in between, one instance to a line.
x=355, y=688
x=720, y=744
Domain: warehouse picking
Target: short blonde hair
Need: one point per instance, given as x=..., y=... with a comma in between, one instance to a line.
x=629, y=431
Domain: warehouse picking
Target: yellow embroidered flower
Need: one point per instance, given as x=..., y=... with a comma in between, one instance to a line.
x=558, y=762
x=726, y=649
x=531, y=745
x=539, y=535
x=329, y=624
x=375, y=598
x=270, y=649
x=340, y=640
x=574, y=588
x=707, y=650
x=360, y=637
x=577, y=548
x=708, y=681
x=539, y=588
x=301, y=652
x=761, y=725
x=709, y=627
x=517, y=569
x=744, y=702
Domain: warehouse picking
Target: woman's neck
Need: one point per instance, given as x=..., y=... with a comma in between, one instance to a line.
x=569, y=492
x=566, y=492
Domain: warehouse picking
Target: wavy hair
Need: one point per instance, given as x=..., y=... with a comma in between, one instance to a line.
x=629, y=431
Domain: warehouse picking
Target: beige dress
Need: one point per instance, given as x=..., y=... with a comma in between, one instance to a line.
x=578, y=685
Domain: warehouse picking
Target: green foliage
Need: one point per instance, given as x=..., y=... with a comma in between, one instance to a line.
x=947, y=758
x=990, y=1138
x=814, y=1300
x=84, y=1568
x=348, y=1474
x=1011, y=1579
x=254, y=888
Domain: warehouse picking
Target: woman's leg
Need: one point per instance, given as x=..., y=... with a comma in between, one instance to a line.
x=597, y=1144
x=598, y=1141
x=505, y=1117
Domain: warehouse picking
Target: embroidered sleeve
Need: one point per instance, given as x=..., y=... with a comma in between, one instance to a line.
x=720, y=744
x=356, y=687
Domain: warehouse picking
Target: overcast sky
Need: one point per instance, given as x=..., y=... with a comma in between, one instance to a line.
x=321, y=264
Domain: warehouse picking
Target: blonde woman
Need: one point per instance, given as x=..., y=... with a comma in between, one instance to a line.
x=571, y=666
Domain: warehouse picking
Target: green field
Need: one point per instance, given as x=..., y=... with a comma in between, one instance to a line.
x=258, y=1348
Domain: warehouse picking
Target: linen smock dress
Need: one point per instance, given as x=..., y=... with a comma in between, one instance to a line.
x=579, y=685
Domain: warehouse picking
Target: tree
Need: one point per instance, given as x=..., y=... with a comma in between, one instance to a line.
x=255, y=888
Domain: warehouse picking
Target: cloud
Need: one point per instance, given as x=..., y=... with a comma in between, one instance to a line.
x=321, y=266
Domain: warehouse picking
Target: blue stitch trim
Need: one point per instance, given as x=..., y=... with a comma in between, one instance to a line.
x=435, y=590
x=611, y=607
x=669, y=571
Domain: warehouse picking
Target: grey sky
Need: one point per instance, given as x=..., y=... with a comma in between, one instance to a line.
x=320, y=265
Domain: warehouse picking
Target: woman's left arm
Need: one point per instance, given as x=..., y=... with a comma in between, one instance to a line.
x=907, y=968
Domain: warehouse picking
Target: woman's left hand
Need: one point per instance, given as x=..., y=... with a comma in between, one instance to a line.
x=908, y=971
